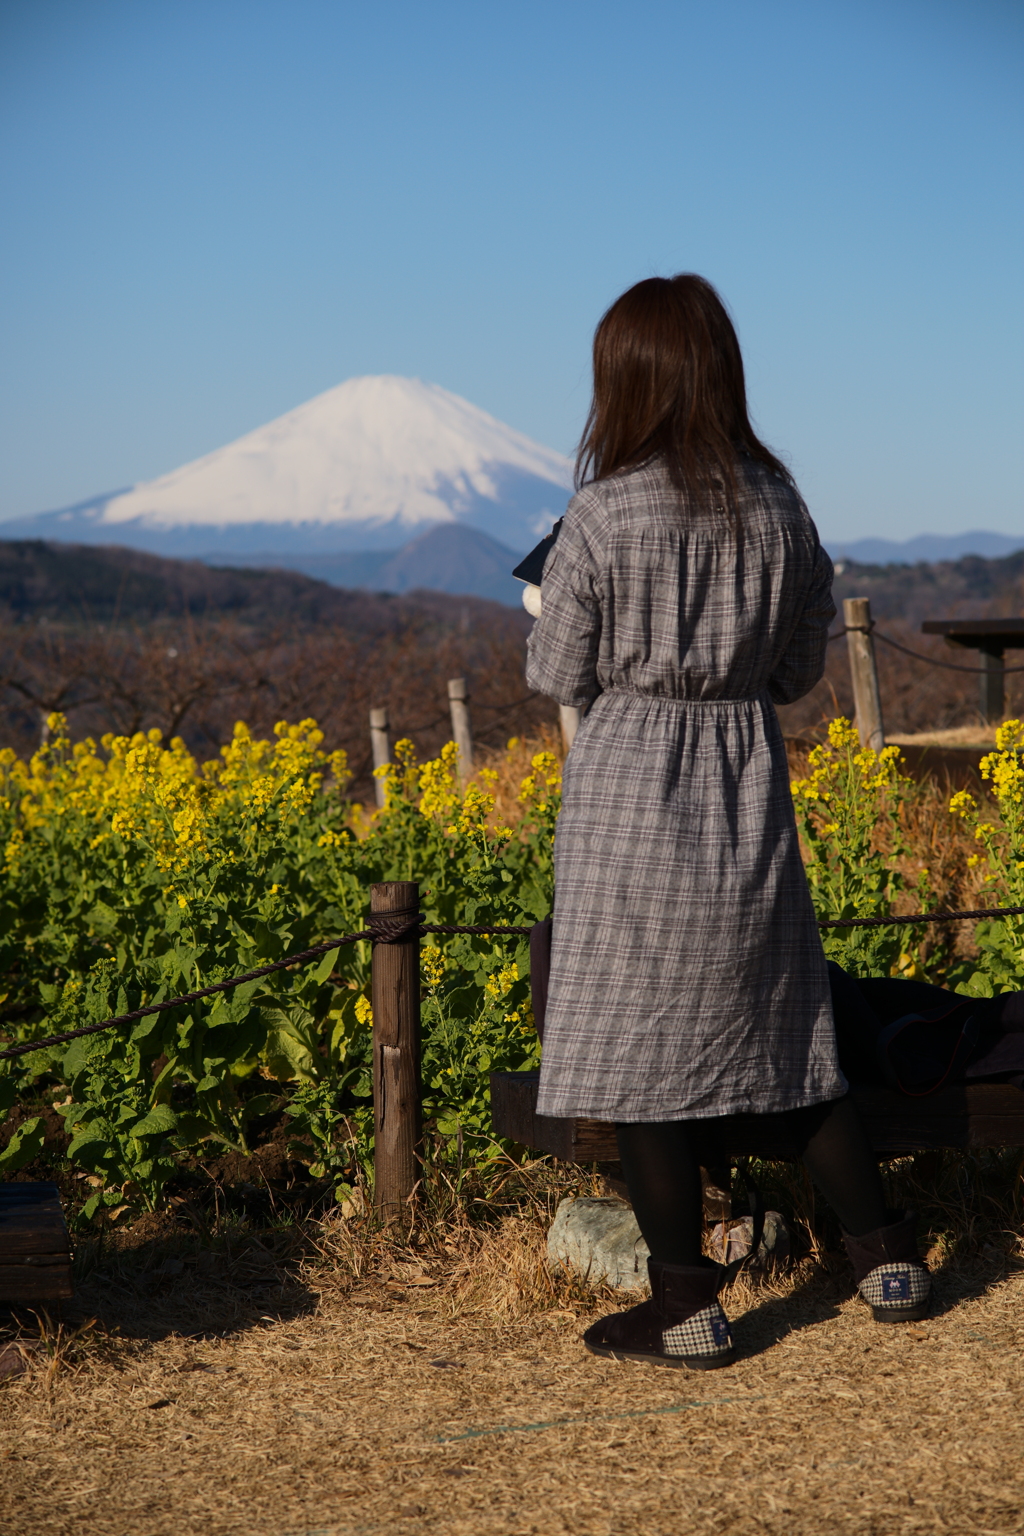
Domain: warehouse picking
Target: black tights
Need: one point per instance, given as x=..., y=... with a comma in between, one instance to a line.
x=662, y=1174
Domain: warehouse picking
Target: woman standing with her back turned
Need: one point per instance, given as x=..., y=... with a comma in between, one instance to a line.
x=686, y=595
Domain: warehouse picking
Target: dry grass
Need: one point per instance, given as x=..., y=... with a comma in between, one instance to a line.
x=349, y=1382
x=513, y=764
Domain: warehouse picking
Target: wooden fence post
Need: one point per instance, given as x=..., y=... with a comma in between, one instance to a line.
x=462, y=735
x=993, y=686
x=381, y=749
x=396, y=1053
x=569, y=718
x=866, y=697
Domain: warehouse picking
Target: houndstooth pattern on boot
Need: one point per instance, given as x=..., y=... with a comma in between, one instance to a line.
x=705, y=1334
x=896, y=1286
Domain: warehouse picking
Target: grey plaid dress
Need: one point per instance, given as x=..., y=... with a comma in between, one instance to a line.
x=687, y=974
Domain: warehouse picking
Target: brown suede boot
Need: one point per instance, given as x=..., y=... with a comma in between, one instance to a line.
x=681, y=1325
x=891, y=1277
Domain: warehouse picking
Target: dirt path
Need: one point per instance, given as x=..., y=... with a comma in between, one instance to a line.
x=377, y=1411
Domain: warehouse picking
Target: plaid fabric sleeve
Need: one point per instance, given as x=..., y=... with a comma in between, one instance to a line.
x=803, y=661
x=563, y=647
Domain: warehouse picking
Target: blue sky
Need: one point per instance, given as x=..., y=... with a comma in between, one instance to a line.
x=215, y=209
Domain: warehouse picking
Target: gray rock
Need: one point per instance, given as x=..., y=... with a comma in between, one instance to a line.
x=600, y=1240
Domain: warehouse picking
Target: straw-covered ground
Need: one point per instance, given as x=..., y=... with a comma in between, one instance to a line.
x=290, y=1380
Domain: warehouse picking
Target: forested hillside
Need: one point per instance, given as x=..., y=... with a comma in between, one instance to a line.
x=968, y=588
x=119, y=640
x=88, y=584
x=123, y=641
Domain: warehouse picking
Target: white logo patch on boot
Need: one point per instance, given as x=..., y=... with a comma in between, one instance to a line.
x=896, y=1286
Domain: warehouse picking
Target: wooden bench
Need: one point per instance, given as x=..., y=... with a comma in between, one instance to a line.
x=35, y=1253
x=973, y=1115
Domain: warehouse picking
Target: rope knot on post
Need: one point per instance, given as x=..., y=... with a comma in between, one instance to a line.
x=393, y=927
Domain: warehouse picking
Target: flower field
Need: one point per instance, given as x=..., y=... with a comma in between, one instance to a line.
x=878, y=843
x=133, y=873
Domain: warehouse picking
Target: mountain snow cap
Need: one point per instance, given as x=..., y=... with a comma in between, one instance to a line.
x=372, y=451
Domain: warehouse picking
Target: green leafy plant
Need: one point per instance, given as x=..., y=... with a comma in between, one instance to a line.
x=133, y=874
x=1000, y=940
x=27, y=1141
x=848, y=810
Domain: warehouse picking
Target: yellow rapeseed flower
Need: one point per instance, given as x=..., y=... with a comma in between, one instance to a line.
x=536, y=789
x=438, y=784
x=499, y=984
x=432, y=961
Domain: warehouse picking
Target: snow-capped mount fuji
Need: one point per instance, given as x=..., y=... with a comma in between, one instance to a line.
x=366, y=465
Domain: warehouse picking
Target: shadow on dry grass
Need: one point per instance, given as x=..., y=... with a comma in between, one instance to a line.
x=195, y=1274
x=478, y=1248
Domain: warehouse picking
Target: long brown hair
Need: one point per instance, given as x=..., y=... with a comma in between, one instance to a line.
x=668, y=380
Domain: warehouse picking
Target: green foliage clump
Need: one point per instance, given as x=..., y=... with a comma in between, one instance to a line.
x=131, y=875
x=848, y=809
x=1000, y=940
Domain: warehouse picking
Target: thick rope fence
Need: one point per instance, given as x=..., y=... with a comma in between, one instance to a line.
x=394, y=930
x=932, y=661
x=382, y=930
x=385, y=929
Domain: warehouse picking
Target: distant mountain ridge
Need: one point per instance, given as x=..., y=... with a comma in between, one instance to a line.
x=929, y=547
x=83, y=585
x=362, y=467
x=449, y=558
x=92, y=584
x=381, y=483
x=455, y=559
